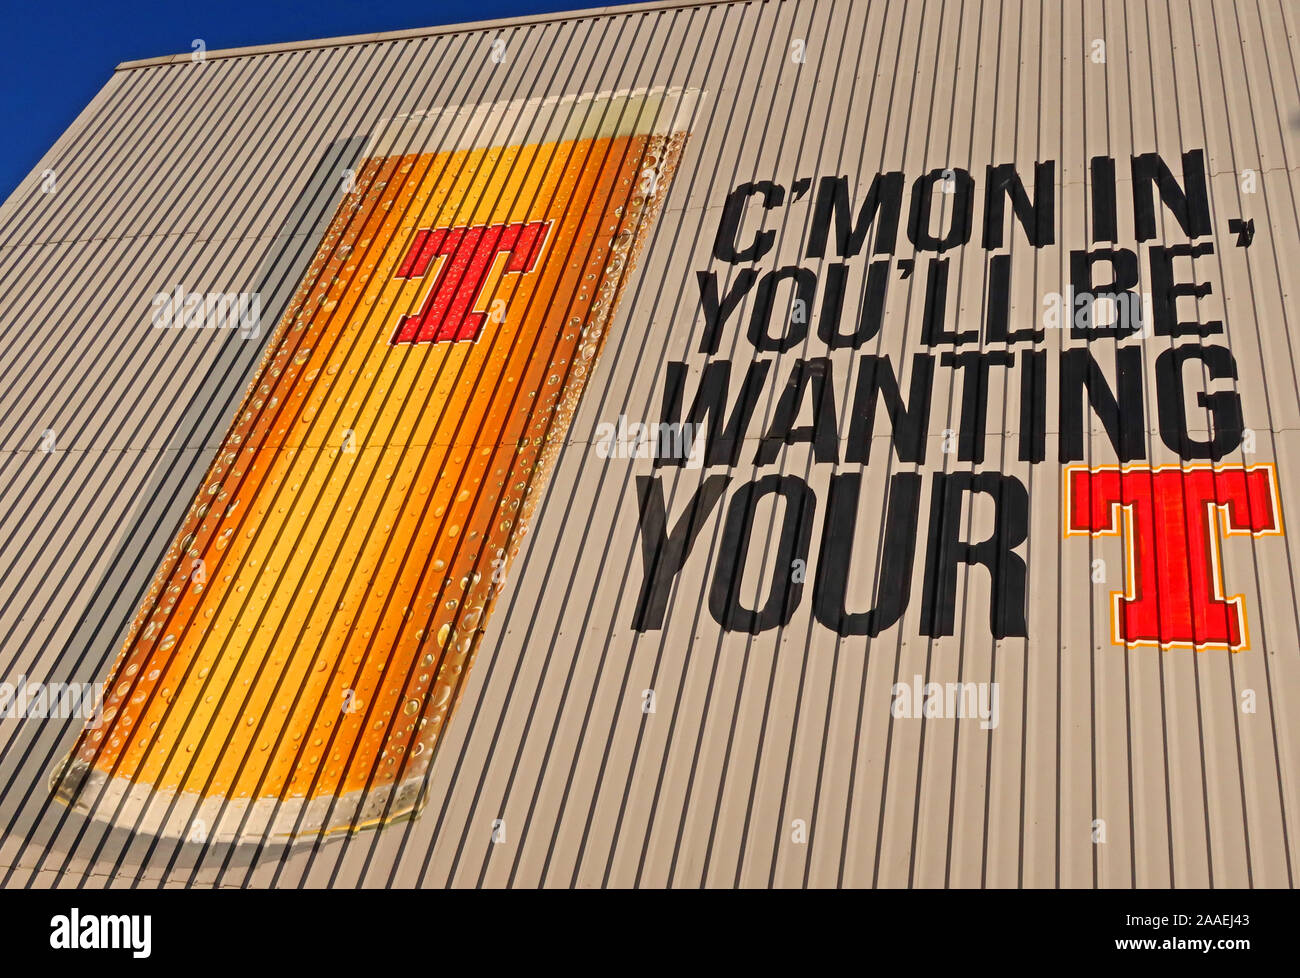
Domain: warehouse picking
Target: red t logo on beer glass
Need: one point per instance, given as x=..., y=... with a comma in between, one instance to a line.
x=447, y=312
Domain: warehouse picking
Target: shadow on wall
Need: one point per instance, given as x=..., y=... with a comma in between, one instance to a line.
x=53, y=834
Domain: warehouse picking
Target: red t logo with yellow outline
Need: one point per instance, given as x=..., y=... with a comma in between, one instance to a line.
x=1170, y=518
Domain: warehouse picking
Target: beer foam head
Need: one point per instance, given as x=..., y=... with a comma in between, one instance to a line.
x=543, y=119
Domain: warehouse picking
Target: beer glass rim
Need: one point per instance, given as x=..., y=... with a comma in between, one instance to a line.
x=657, y=110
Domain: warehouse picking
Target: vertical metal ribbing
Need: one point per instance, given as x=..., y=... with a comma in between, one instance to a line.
x=220, y=176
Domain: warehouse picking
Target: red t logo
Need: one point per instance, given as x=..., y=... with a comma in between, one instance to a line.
x=447, y=312
x=1174, y=580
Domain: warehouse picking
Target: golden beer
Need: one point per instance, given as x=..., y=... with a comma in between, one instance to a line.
x=309, y=631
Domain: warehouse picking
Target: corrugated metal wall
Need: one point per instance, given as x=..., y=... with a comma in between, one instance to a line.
x=773, y=758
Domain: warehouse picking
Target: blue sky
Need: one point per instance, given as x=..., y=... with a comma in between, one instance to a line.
x=54, y=55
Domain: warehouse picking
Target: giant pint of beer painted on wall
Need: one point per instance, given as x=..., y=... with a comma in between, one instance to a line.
x=309, y=631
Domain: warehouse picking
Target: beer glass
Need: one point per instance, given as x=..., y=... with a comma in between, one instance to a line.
x=309, y=631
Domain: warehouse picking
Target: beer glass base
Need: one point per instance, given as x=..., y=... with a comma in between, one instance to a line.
x=117, y=802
